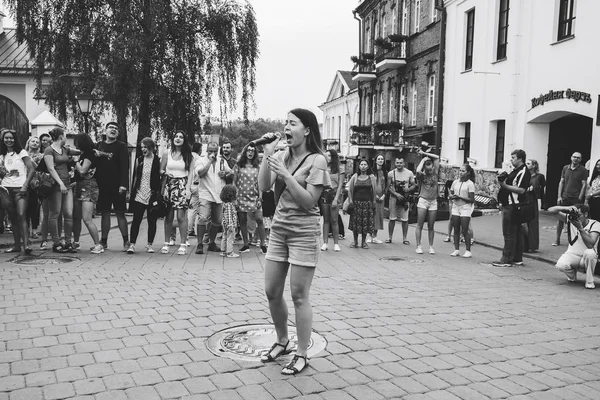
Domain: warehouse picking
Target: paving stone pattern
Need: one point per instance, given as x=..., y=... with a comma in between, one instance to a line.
x=116, y=326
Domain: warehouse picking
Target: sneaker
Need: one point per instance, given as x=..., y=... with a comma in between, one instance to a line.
x=131, y=248
x=455, y=253
x=431, y=250
x=59, y=248
x=104, y=244
x=447, y=239
x=165, y=249
x=44, y=245
x=171, y=242
x=263, y=249
x=467, y=254
x=255, y=244
x=336, y=247
x=97, y=249
x=192, y=234
x=126, y=246
x=376, y=241
x=182, y=251
x=369, y=240
x=34, y=235
x=245, y=249
x=199, y=249
x=149, y=248
x=501, y=264
x=76, y=245
x=419, y=250
x=590, y=285
x=518, y=263
x=324, y=247
x=342, y=237
x=223, y=254
x=232, y=255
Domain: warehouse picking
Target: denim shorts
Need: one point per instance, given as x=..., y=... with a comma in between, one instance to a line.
x=295, y=246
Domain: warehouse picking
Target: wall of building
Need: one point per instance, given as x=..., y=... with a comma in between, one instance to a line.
x=503, y=90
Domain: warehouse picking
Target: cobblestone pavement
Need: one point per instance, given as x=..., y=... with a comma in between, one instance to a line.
x=116, y=326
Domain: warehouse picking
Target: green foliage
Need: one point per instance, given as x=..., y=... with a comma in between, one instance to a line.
x=240, y=134
x=157, y=61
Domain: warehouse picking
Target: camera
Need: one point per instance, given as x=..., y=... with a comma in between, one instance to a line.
x=502, y=176
x=573, y=214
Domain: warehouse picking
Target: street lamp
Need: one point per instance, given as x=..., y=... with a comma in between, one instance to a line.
x=85, y=101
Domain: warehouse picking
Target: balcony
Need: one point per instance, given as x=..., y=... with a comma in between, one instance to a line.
x=378, y=135
x=394, y=57
x=366, y=70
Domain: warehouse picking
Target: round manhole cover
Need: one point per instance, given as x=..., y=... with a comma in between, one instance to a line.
x=249, y=342
x=393, y=258
x=42, y=260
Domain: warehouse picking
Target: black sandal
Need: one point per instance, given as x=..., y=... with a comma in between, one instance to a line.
x=291, y=367
x=268, y=358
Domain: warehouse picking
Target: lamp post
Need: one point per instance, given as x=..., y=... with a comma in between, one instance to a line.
x=85, y=101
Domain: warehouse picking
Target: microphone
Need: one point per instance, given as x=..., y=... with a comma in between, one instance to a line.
x=266, y=138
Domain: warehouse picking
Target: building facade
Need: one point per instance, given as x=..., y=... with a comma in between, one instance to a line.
x=340, y=112
x=521, y=74
x=397, y=73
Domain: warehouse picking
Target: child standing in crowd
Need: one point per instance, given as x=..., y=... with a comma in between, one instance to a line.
x=229, y=221
x=462, y=194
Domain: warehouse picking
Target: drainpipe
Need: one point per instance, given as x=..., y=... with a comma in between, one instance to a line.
x=442, y=59
x=359, y=54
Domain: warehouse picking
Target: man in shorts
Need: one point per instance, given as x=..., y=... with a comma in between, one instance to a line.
x=402, y=183
x=583, y=234
x=571, y=188
x=112, y=175
x=211, y=170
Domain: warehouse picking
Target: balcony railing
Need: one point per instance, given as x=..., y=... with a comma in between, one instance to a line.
x=378, y=137
x=396, y=52
x=387, y=138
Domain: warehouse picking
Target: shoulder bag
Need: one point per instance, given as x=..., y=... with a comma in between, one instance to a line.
x=525, y=211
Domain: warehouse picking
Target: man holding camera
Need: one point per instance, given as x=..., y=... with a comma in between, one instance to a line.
x=513, y=187
x=583, y=235
x=402, y=184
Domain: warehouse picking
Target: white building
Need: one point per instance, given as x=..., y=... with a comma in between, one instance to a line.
x=522, y=74
x=340, y=112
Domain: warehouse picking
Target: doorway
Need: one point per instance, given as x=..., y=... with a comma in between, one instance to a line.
x=567, y=135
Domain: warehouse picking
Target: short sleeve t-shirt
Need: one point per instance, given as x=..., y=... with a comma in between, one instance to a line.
x=14, y=162
x=462, y=189
x=288, y=212
x=428, y=186
x=573, y=181
x=61, y=161
x=579, y=246
x=401, y=178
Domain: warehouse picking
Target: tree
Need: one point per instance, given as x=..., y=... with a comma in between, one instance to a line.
x=157, y=61
x=240, y=132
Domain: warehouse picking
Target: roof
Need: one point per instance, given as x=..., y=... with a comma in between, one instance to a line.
x=347, y=78
x=47, y=119
x=14, y=56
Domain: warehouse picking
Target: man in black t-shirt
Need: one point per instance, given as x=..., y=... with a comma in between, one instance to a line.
x=513, y=187
x=112, y=176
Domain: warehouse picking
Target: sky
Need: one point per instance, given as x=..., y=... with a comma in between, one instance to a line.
x=302, y=44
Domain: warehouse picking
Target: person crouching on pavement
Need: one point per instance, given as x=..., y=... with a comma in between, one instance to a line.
x=583, y=234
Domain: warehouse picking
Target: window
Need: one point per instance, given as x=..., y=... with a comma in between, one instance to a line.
x=367, y=39
x=431, y=100
x=374, y=102
x=404, y=18
x=433, y=10
x=383, y=25
x=382, y=106
x=402, y=102
x=469, y=39
x=417, y=15
x=566, y=17
x=391, y=109
x=467, y=139
x=339, y=127
x=375, y=29
x=413, y=107
x=500, y=132
x=502, y=29
x=395, y=18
